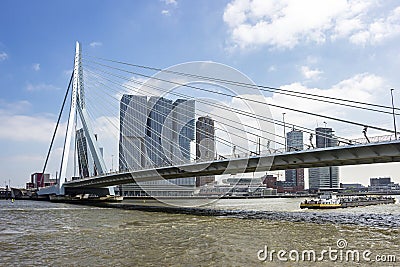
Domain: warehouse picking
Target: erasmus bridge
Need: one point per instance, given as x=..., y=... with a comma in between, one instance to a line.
x=157, y=143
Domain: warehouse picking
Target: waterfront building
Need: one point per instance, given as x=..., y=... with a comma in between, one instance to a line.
x=82, y=151
x=5, y=192
x=383, y=184
x=183, y=129
x=38, y=180
x=270, y=181
x=295, y=177
x=183, y=134
x=159, y=131
x=133, y=119
x=205, y=146
x=324, y=177
x=237, y=186
x=381, y=181
x=85, y=162
x=155, y=132
x=353, y=187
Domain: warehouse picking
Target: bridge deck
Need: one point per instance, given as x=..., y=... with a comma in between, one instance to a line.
x=333, y=156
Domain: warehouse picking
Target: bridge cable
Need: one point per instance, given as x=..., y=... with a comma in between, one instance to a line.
x=263, y=87
x=252, y=100
x=231, y=109
x=229, y=125
x=244, y=149
x=58, y=122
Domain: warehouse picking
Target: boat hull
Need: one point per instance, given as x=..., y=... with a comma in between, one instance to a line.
x=347, y=203
x=83, y=199
x=320, y=206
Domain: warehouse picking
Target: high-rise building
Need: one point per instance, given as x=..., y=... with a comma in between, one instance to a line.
x=324, y=177
x=133, y=119
x=183, y=120
x=295, y=177
x=205, y=146
x=155, y=132
x=182, y=129
x=81, y=145
x=85, y=162
x=325, y=137
x=159, y=131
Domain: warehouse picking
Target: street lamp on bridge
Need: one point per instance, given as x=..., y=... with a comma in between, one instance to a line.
x=284, y=128
x=394, y=116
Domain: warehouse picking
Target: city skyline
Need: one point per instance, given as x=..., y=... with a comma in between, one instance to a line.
x=342, y=49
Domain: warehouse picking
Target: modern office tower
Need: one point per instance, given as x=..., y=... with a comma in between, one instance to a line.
x=159, y=131
x=324, y=177
x=155, y=132
x=85, y=162
x=133, y=119
x=295, y=177
x=183, y=124
x=205, y=146
x=325, y=137
x=81, y=145
x=183, y=129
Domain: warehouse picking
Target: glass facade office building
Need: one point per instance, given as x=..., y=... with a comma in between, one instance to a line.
x=156, y=132
x=82, y=150
x=324, y=177
x=133, y=118
x=205, y=146
x=295, y=177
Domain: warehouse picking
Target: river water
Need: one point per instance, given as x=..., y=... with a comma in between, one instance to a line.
x=242, y=232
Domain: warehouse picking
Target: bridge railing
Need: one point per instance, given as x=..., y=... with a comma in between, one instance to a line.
x=374, y=139
x=270, y=151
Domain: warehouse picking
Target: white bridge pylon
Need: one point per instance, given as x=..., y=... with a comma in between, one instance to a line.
x=78, y=106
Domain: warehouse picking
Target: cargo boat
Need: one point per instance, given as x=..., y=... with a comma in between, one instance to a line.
x=332, y=201
x=85, y=198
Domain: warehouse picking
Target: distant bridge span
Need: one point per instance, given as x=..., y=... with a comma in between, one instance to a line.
x=384, y=152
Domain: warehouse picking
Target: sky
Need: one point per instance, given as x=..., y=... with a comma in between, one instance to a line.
x=339, y=48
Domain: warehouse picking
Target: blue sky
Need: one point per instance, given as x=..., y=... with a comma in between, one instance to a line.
x=343, y=48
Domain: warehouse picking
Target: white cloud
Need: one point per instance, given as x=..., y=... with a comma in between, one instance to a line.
x=15, y=107
x=41, y=87
x=3, y=56
x=173, y=3
x=287, y=23
x=36, y=67
x=26, y=128
x=25, y=140
x=312, y=59
x=363, y=87
x=310, y=74
x=16, y=126
x=95, y=44
x=170, y=2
